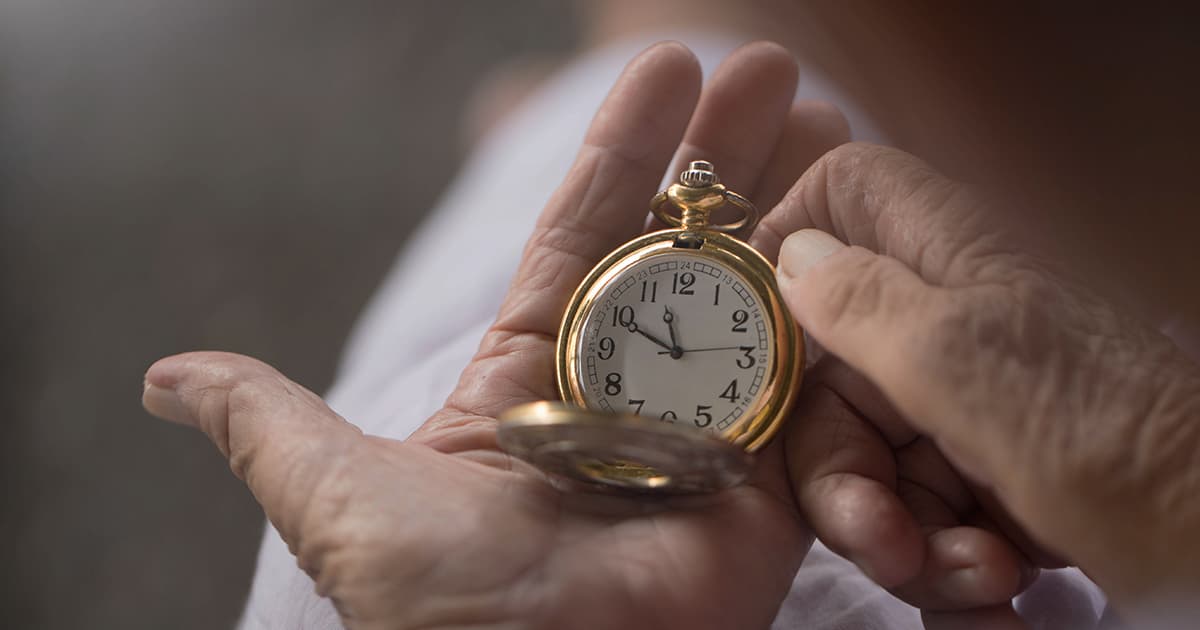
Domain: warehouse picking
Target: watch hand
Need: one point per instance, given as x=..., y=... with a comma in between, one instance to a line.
x=710, y=349
x=635, y=328
x=669, y=317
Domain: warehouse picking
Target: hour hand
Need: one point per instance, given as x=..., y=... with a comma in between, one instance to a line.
x=635, y=328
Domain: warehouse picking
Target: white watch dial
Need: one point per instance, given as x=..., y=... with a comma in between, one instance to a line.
x=680, y=337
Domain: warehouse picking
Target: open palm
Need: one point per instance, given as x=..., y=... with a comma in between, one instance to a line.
x=443, y=529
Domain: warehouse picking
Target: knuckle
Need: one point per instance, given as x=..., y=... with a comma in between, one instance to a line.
x=966, y=343
x=859, y=289
x=1001, y=354
x=973, y=336
x=225, y=369
x=339, y=550
x=243, y=402
x=556, y=252
x=1115, y=401
x=842, y=167
x=851, y=163
x=857, y=293
x=845, y=159
x=941, y=226
x=871, y=178
x=960, y=327
x=211, y=411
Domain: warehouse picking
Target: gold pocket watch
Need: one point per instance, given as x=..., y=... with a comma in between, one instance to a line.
x=676, y=357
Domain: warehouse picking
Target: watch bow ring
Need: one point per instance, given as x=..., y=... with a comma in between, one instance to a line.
x=698, y=193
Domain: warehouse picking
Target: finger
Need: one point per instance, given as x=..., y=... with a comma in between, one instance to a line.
x=901, y=534
x=893, y=204
x=999, y=617
x=279, y=438
x=862, y=395
x=601, y=203
x=602, y=200
x=1000, y=521
x=844, y=479
x=920, y=463
x=902, y=334
x=742, y=114
x=740, y=117
x=813, y=128
x=964, y=568
x=867, y=309
x=769, y=473
x=968, y=562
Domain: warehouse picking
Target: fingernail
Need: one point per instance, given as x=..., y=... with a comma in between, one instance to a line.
x=164, y=403
x=959, y=585
x=804, y=249
x=981, y=585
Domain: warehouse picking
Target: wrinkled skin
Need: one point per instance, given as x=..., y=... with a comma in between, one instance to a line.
x=978, y=408
x=973, y=409
x=442, y=530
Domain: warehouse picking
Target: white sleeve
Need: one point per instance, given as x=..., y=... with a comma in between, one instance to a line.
x=421, y=329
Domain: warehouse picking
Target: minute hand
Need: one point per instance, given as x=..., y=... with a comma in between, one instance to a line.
x=689, y=350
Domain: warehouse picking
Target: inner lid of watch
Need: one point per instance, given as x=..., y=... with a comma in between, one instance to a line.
x=621, y=450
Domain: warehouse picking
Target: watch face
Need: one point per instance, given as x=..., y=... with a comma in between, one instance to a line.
x=678, y=336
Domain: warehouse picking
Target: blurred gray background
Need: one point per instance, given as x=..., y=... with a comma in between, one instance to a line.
x=175, y=175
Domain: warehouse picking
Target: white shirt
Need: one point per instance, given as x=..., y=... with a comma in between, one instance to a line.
x=419, y=331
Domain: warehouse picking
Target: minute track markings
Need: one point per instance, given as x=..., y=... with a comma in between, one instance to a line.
x=687, y=287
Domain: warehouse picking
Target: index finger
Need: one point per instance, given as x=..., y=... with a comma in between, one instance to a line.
x=601, y=203
x=891, y=203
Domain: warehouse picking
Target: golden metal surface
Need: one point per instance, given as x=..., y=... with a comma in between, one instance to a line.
x=620, y=450
x=644, y=454
x=759, y=423
x=697, y=194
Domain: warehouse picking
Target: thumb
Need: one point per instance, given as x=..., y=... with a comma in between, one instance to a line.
x=859, y=305
x=281, y=439
x=883, y=320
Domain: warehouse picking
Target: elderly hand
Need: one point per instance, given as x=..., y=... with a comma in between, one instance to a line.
x=443, y=529
x=974, y=402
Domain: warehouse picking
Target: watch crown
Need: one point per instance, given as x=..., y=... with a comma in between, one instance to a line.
x=699, y=174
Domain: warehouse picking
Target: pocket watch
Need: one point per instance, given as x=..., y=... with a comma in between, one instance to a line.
x=676, y=358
